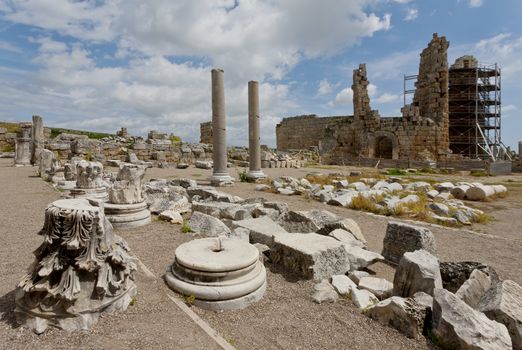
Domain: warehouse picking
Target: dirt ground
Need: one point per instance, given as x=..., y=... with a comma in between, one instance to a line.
x=285, y=318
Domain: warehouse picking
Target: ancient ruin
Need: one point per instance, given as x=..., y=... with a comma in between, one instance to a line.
x=426, y=133
x=221, y=273
x=89, y=181
x=81, y=270
x=23, y=145
x=220, y=174
x=126, y=207
x=253, y=132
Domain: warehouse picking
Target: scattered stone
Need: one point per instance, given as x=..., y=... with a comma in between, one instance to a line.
x=242, y=234
x=405, y=315
x=171, y=216
x=454, y=274
x=432, y=194
x=182, y=165
x=207, y=225
x=345, y=224
x=262, y=230
x=342, y=284
x=423, y=299
x=457, y=325
x=310, y=255
x=478, y=283
x=203, y=164
x=262, y=188
x=307, y=221
x=286, y=191
x=439, y=208
x=345, y=237
x=503, y=303
x=356, y=276
x=363, y=299
x=361, y=258
x=324, y=293
x=401, y=238
x=417, y=271
x=479, y=193
x=380, y=287
x=443, y=220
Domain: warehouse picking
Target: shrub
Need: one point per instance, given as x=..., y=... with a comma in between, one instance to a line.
x=185, y=228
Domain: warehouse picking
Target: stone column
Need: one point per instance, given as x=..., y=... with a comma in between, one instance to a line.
x=37, y=139
x=23, y=145
x=220, y=174
x=520, y=152
x=254, y=147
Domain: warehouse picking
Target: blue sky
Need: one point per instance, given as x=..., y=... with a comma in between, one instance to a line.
x=100, y=65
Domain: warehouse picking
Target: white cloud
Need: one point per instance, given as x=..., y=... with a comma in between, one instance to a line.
x=255, y=40
x=372, y=90
x=411, y=14
x=344, y=97
x=387, y=98
x=402, y=1
x=6, y=46
x=324, y=87
x=476, y=3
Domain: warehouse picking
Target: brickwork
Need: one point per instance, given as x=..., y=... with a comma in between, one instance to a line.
x=421, y=133
x=205, y=132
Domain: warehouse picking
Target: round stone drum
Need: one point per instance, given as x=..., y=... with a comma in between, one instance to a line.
x=221, y=273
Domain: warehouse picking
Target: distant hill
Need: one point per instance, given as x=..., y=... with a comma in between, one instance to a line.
x=14, y=127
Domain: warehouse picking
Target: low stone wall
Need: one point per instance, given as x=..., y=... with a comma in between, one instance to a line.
x=205, y=132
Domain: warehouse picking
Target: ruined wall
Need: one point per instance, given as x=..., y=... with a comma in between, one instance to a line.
x=420, y=134
x=205, y=132
x=302, y=132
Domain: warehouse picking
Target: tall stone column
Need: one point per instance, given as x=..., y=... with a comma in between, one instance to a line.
x=23, y=145
x=37, y=139
x=520, y=152
x=254, y=146
x=220, y=174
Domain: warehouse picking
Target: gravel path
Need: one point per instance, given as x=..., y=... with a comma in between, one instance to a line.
x=154, y=322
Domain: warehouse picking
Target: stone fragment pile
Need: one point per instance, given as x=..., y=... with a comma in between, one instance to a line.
x=441, y=202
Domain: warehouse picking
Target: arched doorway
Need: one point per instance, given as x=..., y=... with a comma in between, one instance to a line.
x=383, y=147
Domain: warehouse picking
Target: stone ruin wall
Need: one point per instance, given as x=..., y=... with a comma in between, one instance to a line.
x=414, y=136
x=205, y=132
x=302, y=132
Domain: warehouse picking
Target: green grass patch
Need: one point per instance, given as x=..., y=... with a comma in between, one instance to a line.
x=90, y=134
x=185, y=228
x=10, y=127
x=396, y=171
x=8, y=148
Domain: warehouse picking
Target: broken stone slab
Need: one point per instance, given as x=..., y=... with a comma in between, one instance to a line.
x=346, y=237
x=443, y=220
x=424, y=299
x=359, y=186
x=183, y=182
x=279, y=206
x=216, y=209
x=207, y=225
x=432, y=194
x=459, y=191
x=342, y=200
x=401, y=238
x=380, y=287
x=324, y=292
x=418, y=186
x=479, y=193
x=503, y=303
x=478, y=283
x=307, y=221
x=439, y=208
x=310, y=255
x=262, y=188
x=403, y=314
x=457, y=325
x=361, y=258
x=417, y=271
x=286, y=191
x=462, y=217
x=210, y=193
x=342, y=284
x=363, y=299
x=444, y=186
x=443, y=196
x=203, y=164
x=454, y=274
x=262, y=230
x=262, y=211
x=345, y=224
x=171, y=216
x=241, y=233
x=356, y=276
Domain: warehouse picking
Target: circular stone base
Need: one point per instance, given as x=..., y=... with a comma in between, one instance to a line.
x=255, y=174
x=125, y=216
x=221, y=179
x=222, y=274
x=95, y=193
x=233, y=304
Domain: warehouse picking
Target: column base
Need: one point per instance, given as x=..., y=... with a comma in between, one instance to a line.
x=255, y=175
x=221, y=179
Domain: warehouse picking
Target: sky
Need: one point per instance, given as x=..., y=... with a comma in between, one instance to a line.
x=99, y=65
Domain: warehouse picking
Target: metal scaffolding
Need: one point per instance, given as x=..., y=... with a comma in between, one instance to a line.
x=474, y=111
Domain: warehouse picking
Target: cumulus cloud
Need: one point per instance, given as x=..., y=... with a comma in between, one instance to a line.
x=167, y=49
x=324, y=87
x=344, y=97
x=411, y=14
x=387, y=98
x=476, y=3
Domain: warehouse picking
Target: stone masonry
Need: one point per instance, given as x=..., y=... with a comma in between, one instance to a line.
x=421, y=133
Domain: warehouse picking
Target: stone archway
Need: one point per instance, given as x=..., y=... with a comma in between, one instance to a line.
x=384, y=145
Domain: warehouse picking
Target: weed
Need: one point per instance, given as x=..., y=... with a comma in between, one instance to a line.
x=196, y=174
x=363, y=203
x=396, y=171
x=92, y=135
x=185, y=228
x=175, y=139
x=243, y=176
x=483, y=218
x=478, y=173
x=133, y=301
x=232, y=342
x=189, y=299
